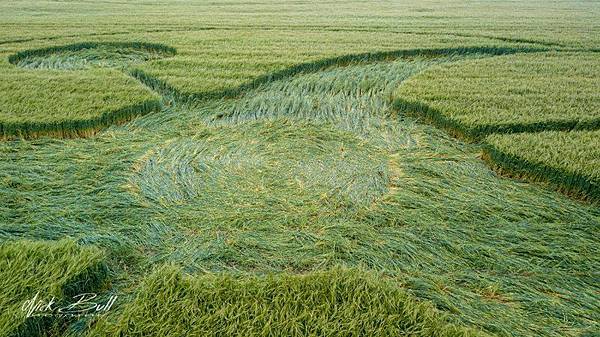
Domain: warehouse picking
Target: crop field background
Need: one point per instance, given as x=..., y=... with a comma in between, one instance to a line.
x=256, y=168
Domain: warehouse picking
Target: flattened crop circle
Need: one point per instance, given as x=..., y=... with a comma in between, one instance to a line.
x=264, y=172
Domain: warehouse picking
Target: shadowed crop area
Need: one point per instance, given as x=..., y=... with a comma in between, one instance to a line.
x=265, y=169
x=58, y=269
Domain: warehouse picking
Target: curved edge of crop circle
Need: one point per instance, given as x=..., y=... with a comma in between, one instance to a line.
x=569, y=183
x=82, y=127
x=77, y=128
x=313, y=66
x=154, y=47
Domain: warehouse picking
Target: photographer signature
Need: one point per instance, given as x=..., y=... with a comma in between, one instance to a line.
x=82, y=305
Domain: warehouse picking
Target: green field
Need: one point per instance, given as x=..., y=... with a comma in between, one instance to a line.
x=308, y=168
x=515, y=93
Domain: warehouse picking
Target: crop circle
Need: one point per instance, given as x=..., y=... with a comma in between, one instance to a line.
x=264, y=171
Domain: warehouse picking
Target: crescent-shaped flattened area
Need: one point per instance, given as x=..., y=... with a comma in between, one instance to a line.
x=73, y=90
x=538, y=113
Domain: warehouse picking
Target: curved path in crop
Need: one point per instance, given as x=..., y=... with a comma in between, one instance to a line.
x=52, y=58
x=126, y=55
x=419, y=109
x=83, y=56
x=312, y=166
x=306, y=169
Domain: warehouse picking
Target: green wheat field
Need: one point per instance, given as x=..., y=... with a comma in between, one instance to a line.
x=299, y=168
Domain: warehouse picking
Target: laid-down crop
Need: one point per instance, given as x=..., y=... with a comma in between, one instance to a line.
x=277, y=186
x=66, y=94
x=206, y=186
x=522, y=93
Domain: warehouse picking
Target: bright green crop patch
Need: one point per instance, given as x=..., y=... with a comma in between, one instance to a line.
x=67, y=103
x=568, y=160
x=59, y=269
x=340, y=302
x=513, y=93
